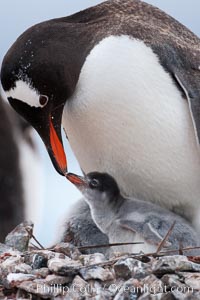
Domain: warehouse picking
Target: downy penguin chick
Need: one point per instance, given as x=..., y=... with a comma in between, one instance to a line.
x=132, y=220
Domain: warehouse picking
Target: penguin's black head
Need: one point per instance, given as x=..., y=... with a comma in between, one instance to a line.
x=102, y=182
x=95, y=183
x=37, y=80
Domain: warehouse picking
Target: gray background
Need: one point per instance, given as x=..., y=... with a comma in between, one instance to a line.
x=15, y=17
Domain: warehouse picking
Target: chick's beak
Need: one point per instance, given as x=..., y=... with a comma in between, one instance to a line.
x=78, y=181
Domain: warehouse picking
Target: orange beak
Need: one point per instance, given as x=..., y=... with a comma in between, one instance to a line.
x=57, y=150
x=75, y=179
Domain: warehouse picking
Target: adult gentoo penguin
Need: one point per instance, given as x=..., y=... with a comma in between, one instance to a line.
x=124, y=79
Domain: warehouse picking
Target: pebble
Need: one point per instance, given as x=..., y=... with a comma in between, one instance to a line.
x=38, y=261
x=78, y=290
x=40, y=273
x=96, y=272
x=147, y=296
x=64, y=267
x=19, y=238
x=5, y=249
x=174, y=263
x=92, y=259
x=129, y=290
x=53, y=279
x=98, y=290
x=173, y=280
x=192, y=280
x=15, y=279
x=22, y=268
x=10, y=263
x=177, y=295
x=128, y=267
x=40, y=289
x=68, y=249
x=152, y=285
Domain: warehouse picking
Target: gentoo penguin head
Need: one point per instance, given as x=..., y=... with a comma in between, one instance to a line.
x=96, y=186
x=37, y=80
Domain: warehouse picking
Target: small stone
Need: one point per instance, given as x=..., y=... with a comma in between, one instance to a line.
x=192, y=280
x=98, y=291
x=182, y=295
x=65, y=266
x=38, y=261
x=22, y=268
x=172, y=280
x=78, y=290
x=9, y=265
x=113, y=287
x=79, y=282
x=95, y=286
x=11, y=253
x=152, y=285
x=128, y=267
x=40, y=273
x=40, y=288
x=92, y=259
x=166, y=296
x=20, y=236
x=194, y=296
x=96, y=272
x=124, y=267
x=147, y=296
x=170, y=264
x=131, y=289
x=5, y=248
x=57, y=280
x=52, y=254
x=15, y=279
x=68, y=249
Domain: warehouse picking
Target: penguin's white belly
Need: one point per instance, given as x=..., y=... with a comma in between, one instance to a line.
x=128, y=118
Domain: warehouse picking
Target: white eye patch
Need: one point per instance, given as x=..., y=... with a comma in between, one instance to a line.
x=25, y=93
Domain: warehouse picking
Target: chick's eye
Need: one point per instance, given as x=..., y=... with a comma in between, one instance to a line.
x=43, y=99
x=94, y=183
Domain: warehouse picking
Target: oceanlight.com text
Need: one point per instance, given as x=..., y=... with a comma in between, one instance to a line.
x=58, y=289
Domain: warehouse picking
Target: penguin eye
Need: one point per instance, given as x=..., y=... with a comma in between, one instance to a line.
x=94, y=183
x=43, y=99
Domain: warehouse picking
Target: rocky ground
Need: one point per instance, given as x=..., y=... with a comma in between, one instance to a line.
x=27, y=272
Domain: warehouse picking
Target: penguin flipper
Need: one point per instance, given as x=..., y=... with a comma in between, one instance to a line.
x=183, y=64
x=147, y=230
x=193, y=98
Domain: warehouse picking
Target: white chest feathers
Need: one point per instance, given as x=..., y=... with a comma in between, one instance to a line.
x=128, y=118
